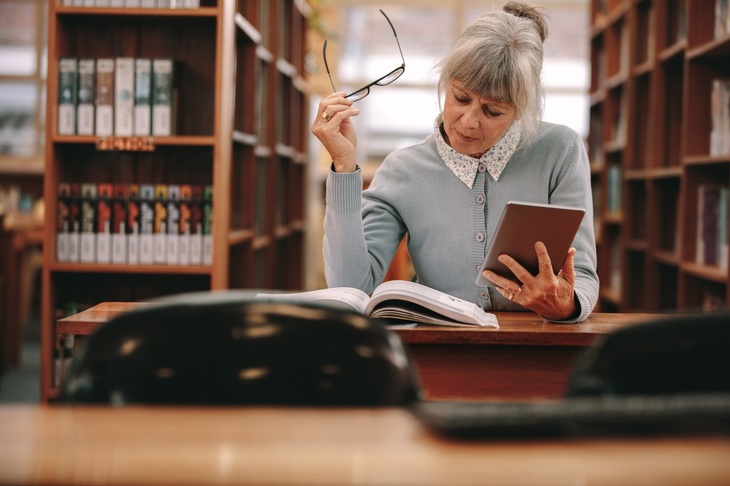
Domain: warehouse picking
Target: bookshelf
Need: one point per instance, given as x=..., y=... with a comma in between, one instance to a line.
x=653, y=68
x=240, y=119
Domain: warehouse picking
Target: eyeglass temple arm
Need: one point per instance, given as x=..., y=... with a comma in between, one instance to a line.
x=395, y=35
x=326, y=66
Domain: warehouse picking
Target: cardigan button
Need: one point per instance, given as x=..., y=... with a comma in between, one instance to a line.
x=482, y=167
x=479, y=237
x=480, y=199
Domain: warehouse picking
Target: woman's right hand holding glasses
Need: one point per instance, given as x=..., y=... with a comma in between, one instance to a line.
x=333, y=127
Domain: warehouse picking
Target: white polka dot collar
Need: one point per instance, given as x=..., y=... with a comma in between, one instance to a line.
x=465, y=167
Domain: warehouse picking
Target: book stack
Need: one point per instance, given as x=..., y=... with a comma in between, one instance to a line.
x=712, y=221
x=134, y=224
x=133, y=3
x=120, y=97
x=722, y=18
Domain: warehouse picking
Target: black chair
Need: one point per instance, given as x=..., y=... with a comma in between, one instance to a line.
x=227, y=348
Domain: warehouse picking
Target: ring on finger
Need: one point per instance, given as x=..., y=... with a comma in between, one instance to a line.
x=326, y=115
x=510, y=296
x=519, y=290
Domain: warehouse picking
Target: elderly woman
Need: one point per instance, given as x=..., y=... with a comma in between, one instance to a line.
x=489, y=146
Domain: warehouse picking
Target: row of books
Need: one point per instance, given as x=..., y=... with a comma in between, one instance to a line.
x=712, y=220
x=121, y=96
x=134, y=3
x=135, y=224
x=720, y=117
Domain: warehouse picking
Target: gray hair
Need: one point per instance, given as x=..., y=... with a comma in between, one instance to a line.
x=499, y=56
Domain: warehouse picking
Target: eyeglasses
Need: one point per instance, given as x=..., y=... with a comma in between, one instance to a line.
x=382, y=81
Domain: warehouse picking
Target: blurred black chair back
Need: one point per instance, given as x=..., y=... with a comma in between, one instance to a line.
x=229, y=348
x=670, y=355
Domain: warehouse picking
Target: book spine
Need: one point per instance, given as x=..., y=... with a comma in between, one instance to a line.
x=192, y=3
x=63, y=222
x=104, y=223
x=208, y=225
x=74, y=215
x=147, y=224
x=90, y=3
x=67, y=95
x=162, y=94
x=85, y=107
x=722, y=240
x=196, y=226
x=88, y=223
x=148, y=3
x=118, y=3
x=142, y=97
x=132, y=3
x=708, y=223
x=124, y=97
x=103, y=3
x=133, y=224
x=186, y=196
x=119, y=224
x=160, y=229
x=173, y=224
x=104, y=97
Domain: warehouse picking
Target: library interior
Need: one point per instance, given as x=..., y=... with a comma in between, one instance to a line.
x=158, y=163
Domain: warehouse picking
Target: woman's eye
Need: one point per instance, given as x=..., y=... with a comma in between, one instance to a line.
x=492, y=113
x=462, y=100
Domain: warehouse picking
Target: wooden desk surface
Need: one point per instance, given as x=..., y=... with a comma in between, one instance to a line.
x=74, y=445
x=516, y=328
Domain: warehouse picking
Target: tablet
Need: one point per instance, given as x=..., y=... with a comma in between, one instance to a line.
x=523, y=224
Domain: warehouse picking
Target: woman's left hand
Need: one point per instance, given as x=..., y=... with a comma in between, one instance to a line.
x=549, y=295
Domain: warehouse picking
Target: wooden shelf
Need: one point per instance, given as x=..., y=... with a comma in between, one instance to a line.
x=663, y=106
x=241, y=118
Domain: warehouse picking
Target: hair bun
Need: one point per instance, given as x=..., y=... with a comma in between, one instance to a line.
x=529, y=12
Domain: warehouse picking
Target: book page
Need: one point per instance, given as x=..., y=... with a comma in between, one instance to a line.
x=445, y=308
x=338, y=296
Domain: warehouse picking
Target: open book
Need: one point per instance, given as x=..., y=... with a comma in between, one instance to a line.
x=399, y=300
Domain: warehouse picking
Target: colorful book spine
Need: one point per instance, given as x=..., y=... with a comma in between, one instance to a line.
x=183, y=246
x=88, y=223
x=173, y=224
x=85, y=107
x=119, y=224
x=104, y=194
x=104, y=97
x=207, y=225
x=63, y=222
x=74, y=212
x=162, y=97
x=160, y=229
x=147, y=224
x=142, y=97
x=67, y=95
x=196, y=226
x=133, y=224
x=124, y=97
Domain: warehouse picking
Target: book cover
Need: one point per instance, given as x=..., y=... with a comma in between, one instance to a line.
x=183, y=246
x=74, y=214
x=88, y=223
x=142, y=97
x=124, y=97
x=173, y=224
x=160, y=227
x=119, y=224
x=163, y=79
x=196, y=226
x=63, y=222
x=85, y=106
x=133, y=224
x=104, y=192
x=208, y=225
x=67, y=95
x=104, y=97
x=147, y=224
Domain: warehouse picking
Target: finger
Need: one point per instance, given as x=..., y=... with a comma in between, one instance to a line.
x=518, y=270
x=567, y=271
x=504, y=285
x=545, y=265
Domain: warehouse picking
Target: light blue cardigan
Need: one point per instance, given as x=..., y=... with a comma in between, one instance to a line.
x=449, y=226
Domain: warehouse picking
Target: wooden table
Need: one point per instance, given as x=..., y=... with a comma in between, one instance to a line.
x=265, y=446
x=526, y=358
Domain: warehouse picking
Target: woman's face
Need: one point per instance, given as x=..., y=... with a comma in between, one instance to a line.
x=473, y=123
